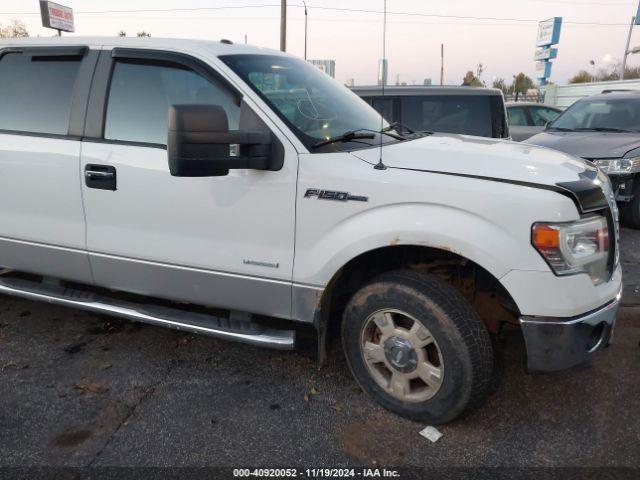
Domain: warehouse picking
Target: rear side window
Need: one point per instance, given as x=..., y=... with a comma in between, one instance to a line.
x=141, y=94
x=36, y=92
x=466, y=114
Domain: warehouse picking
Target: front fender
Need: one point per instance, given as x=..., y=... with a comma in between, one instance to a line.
x=493, y=246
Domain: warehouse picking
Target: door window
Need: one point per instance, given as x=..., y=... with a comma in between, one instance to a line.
x=517, y=117
x=141, y=94
x=35, y=92
x=541, y=115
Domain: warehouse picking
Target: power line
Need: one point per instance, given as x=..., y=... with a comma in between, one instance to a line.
x=339, y=9
x=154, y=10
x=578, y=2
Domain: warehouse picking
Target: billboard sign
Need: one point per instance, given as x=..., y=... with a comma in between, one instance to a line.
x=549, y=32
x=56, y=16
x=545, y=53
x=543, y=70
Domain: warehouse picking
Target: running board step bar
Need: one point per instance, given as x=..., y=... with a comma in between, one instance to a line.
x=219, y=327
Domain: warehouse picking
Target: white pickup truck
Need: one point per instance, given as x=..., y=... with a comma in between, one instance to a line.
x=154, y=178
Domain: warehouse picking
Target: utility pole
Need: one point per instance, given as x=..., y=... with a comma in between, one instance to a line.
x=283, y=25
x=626, y=49
x=305, y=29
x=441, y=63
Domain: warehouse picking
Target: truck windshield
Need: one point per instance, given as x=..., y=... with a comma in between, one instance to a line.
x=610, y=115
x=313, y=105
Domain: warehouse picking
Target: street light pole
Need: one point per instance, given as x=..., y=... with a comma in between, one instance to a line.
x=441, y=63
x=305, y=29
x=626, y=49
x=283, y=25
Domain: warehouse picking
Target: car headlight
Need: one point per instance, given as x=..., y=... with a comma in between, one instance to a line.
x=574, y=247
x=619, y=165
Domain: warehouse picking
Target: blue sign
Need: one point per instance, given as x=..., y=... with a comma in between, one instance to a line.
x=545, y=53
x=549, y=32
x=548, y=35
x=543, y=69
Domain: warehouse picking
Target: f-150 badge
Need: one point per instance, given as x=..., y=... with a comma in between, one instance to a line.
x=334, y=195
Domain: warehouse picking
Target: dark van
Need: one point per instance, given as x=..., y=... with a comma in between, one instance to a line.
x=466, y=110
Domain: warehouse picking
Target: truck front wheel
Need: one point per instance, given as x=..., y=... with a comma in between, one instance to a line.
x=417, y=347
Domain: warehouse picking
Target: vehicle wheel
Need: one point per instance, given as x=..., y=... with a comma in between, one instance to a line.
x=630, y=211
x=417, y=347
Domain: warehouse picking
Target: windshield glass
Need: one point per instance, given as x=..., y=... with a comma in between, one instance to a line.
x=601, y=114
x=315, y=106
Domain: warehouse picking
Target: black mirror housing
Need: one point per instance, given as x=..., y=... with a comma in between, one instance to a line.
x=199, y=140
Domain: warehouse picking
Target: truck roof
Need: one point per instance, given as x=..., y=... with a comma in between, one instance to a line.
x=400, y=90
x=215, y=47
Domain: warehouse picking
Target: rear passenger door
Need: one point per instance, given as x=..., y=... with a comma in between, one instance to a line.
x=43, y=94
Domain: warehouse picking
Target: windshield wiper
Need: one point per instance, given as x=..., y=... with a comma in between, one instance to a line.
x=345, y=137
x=356, y=135
x=395, y=126
x=561, y=129
x=604, y=129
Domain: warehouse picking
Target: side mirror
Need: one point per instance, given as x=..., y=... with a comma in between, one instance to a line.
x=199, y=143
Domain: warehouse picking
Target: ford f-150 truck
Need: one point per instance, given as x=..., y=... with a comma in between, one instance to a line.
x=240, y=192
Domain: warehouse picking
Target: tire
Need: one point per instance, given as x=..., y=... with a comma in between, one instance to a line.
x=630, y=211
x=463, y=350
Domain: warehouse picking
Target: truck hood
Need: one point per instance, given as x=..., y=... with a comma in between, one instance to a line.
x=479, y=157
x=591, y=145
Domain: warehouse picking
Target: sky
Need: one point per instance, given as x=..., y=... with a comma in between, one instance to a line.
x=500, y=34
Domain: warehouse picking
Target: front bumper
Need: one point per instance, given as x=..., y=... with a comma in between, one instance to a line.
x=557, y=344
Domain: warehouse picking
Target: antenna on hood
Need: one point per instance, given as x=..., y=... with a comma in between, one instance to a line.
x=380, y=165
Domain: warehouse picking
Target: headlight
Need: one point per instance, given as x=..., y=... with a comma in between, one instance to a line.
x=619, y=165
x=575, y=247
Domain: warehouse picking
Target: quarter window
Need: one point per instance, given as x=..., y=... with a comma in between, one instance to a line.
x=466, y=114
x=36, y=92
x=141, y=94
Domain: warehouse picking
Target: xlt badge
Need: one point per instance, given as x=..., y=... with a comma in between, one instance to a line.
x=334, y=195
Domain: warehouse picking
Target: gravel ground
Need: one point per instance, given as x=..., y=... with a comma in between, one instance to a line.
x=83, y=390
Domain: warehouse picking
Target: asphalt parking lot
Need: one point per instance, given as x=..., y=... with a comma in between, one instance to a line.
x=82, y=390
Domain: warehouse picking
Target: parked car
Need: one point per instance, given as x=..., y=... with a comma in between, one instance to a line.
x=604, y=128
x=120, y=193
x=465, y=110
x=527, y=118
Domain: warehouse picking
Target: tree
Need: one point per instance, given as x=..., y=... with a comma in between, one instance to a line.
x=122, y=33
x=581, y=77
x=631, y=72
x=521, y=83
x=606, y=74
x=479, y=71
x=470, y=80
x=142, y=33
x=500, y=84
x=16, y=29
